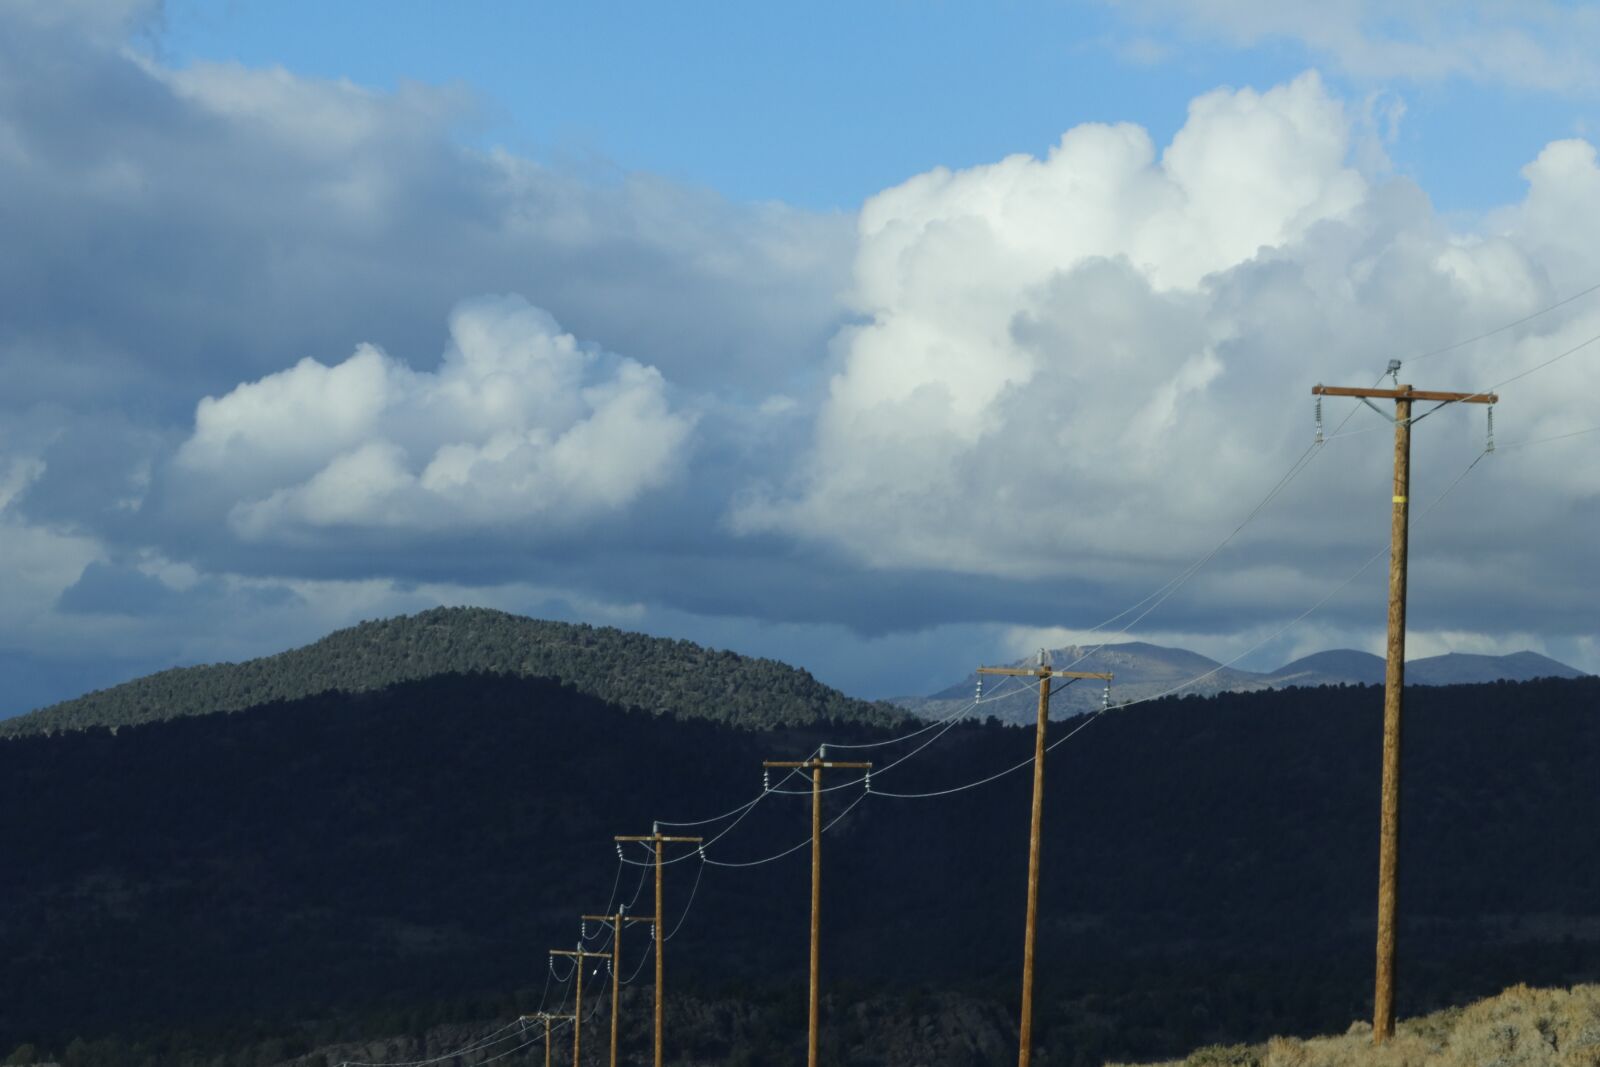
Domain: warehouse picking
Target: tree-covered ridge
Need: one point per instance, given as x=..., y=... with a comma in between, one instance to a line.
x=332, y=878
x=629, y=669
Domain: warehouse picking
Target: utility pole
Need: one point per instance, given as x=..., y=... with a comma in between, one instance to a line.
x=546, y=1017
x=1394, y=677
x=616, y=922
x=1044, y=674
x=657, y=842
x=578, y=955
x=815, y=765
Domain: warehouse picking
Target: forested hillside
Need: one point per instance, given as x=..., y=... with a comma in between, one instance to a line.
x=623, y=668
x=314, y=875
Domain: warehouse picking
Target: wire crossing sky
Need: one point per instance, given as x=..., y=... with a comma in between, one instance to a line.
x=875, y=338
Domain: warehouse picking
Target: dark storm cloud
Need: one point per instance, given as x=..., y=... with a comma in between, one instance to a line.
x=170, y=234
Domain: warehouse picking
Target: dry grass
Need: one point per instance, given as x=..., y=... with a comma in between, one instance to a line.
x=1521, y=1027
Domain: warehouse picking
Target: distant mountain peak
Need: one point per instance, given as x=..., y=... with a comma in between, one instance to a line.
x=1145, y=671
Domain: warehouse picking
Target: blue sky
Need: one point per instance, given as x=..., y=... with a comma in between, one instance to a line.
x=881, y=338
x=824, y=105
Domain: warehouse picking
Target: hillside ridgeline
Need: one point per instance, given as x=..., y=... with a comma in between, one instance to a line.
x=348, y=868
x=1522, y=1026
x=623, y=668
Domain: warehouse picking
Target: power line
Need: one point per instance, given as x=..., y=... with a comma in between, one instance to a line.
x=643, y=956
x=692, y=893
x=1170, y=589
x=948, y=722
x=1090, y=718
x=474, y=1046
x=1502, y=329
x=1545, y=440
x=791, y=851
x=999, y=694
x=1580, y=346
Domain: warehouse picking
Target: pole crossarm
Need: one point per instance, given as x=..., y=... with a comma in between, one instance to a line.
x=1405, y=393
x=580, y=953
x=620, y=915
x=658, y=838
x=815, y=764
x=546, y=1018
x=1045, y=672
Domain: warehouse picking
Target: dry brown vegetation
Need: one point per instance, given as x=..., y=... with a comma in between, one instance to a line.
x=1521, y=1027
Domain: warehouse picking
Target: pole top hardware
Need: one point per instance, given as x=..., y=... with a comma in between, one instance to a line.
x=656, y=838
x=813, y=763
x=1405, y=392
x=1045, y=672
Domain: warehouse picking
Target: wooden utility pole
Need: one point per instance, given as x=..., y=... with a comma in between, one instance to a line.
x=1045, y=675
x=1394, y=680
x=616, y=922
x=658, y=842
x=815, y=765
x=546, y=1017
x=578, y=955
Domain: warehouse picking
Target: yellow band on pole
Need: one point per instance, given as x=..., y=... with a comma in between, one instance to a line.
x=1399, y=500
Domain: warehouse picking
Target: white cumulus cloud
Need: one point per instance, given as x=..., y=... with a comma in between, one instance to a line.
x=520, y=424
x=1090, y=366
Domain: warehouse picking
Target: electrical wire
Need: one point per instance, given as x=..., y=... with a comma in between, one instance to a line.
x=1524, y=443
x=1580, y=346
x=796, y=848
x=1000, y=693
x=692, y=893
x=1094, y=716
x=474, y=1046
x=1170, y=589
x=638, y=889
x=513, y=1051
x=748, y=808
x=645, y=955
x=1502, y=329
x=612, y=899
x=947, y=723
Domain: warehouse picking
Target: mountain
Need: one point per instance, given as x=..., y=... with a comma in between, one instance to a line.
x=378, y=876
x=1456, y=668
x=629, y=669
x=1342, y=666
x=1144, y=671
